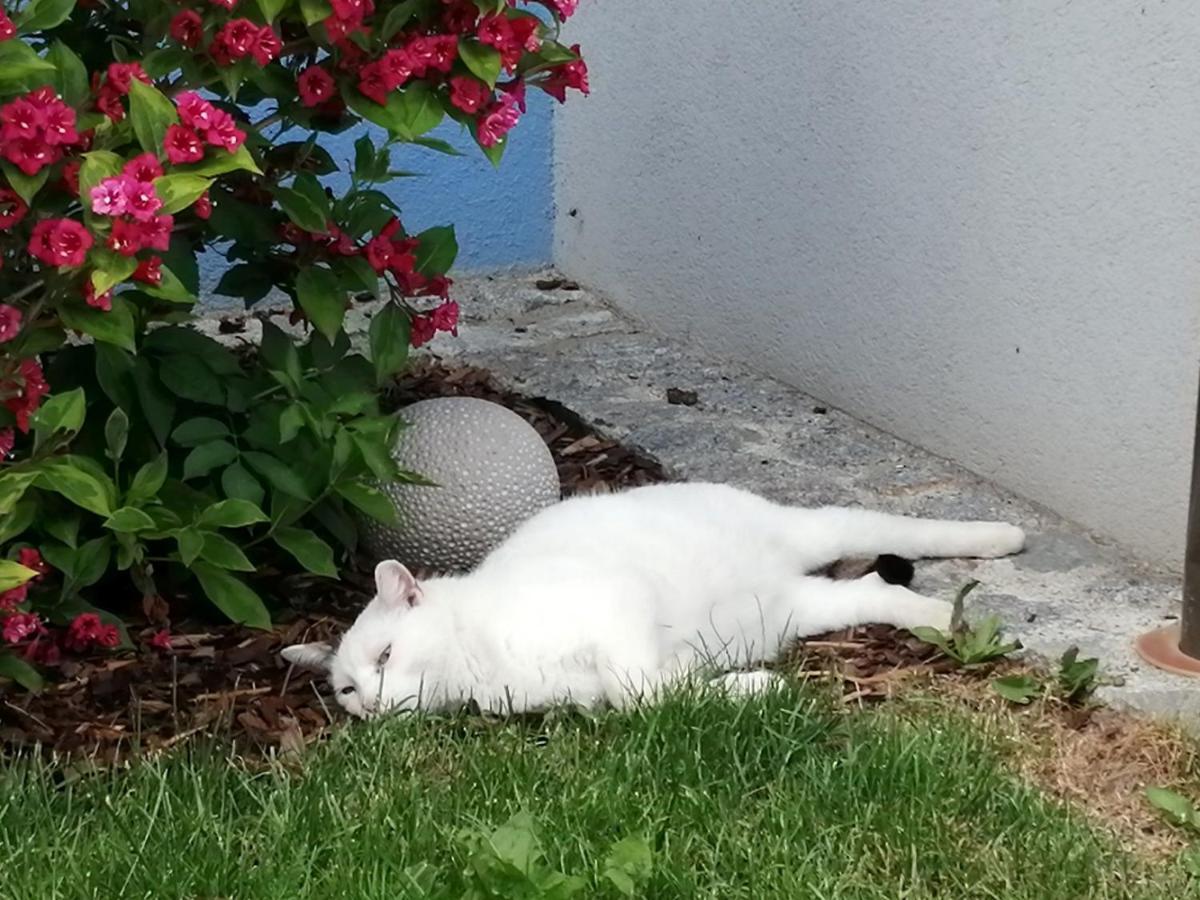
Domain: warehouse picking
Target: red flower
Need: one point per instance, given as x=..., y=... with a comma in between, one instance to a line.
x=315, y=86
x=497, y=120
x=10, y=322
x=234, y=41
x=62, y=243
x=267, y=46
x=161, y=640
x=224, y=132
x=432, y=53
x=422, y=331
x=102, y=302
x=225, y=4
x=188, y=28
x=195, y=111
x=183, y=145
x=379, y=253
x=469, y=94
x=511, y=37
x=373, y=83
x=573, y=75
x=7, y=28
x=70, y=177
x=563, y=8
x=460, y=16
x=43, y=651
x=25, y=397
x=12, y=208
x=7, y=439
x=121, y=76
x=203, y=206
x=31, y=156
x=88, y=631
x=143, y=168
x=30, y=558
x=14, y=597
x=19, y=626
x=149, y=271
x=445, y=317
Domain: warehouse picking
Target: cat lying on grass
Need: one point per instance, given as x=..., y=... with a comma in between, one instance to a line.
x=610, y=598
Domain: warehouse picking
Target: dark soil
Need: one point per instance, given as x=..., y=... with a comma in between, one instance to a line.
x=229, y=681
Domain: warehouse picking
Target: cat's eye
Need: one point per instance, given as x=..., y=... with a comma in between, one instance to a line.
x=384, y=656
x=348, y=689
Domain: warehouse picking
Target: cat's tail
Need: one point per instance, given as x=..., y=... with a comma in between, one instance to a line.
x=892, y=569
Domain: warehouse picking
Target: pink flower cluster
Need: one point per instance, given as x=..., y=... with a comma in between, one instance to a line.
x=7, y=29
x=35, y=130
x=14, y=597
x=347, y=18
x=201, y=120
x=117, y=80
x=421, y=55
x=19, y=626
x=315, y=85
x=240, y=38
x=511, y=37
x=87, y=631
x=389, y=251
x=127, y=194
x=23, y=396
x=500, y=116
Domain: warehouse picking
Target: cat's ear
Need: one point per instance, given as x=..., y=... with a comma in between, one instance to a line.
x=395, y=586
x=316, y=656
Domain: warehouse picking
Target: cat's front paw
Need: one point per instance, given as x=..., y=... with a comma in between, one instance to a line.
x=926, y=612
x=998, y=539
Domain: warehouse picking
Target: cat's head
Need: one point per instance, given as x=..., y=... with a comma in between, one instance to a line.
x=368, y=669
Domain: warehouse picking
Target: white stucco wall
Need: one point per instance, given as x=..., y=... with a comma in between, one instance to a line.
x=974, y=224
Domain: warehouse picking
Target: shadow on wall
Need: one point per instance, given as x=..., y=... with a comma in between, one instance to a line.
x=503, y=217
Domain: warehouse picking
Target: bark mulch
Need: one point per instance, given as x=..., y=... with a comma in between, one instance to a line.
x=229, y=681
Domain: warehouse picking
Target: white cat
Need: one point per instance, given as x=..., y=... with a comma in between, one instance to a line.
x=607, y=598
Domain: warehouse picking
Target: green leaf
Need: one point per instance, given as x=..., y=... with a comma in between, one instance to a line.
x=91, y=562
x=376, y=455
x=178, y=192
x=12, y=488
x=42, y=15
x=232, y=596
x=222, y=162
x=439, y=145
x=1020, y=689
x=388, y=338
x=371, y=501
x=356, y=274
x=13, y=574
x=70, y=76
x=67, y=476
x=206, y=457
x=1177, y=808
x=223, y=552
x=231, y=514
x=170, y=288
x=14, y=524
x=277, y=474
x=186, y=342
x=308, y=549
x=116, y=433
x=629, y=862
x=271, y=8
x=129, y=520
x=199, y=430
x=482, y=61
x=301, y=210
x=398, y=16
x=64, y=526
x=315, y=11
x=239, y=484
x=279, y=353
x=61, y=412
x=110, y=269
x=190, y=378
x=291, y=420
x=162, y=62
x=407, y=114
x=249, y=281
x=322, y=299
x=112, y=327
x=151, y=113
x=16, y=669
x=158, y=406
x=149, y=480
x=20, y=66
x=191, y=542
x=26, y=186
x=437, y=250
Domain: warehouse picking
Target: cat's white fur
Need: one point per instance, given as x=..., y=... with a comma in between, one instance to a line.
x=607, y=598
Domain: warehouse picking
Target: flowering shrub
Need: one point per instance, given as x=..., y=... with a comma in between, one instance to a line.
x=137, y=457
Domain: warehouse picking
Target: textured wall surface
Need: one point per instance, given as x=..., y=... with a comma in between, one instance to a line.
x=503, y=217
x=976, y=225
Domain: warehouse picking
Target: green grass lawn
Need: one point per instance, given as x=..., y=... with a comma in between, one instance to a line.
x=778, y=797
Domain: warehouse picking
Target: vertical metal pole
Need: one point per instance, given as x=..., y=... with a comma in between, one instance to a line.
x=1189, y=632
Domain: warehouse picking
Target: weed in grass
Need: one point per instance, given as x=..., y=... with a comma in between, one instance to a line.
x=970, y=647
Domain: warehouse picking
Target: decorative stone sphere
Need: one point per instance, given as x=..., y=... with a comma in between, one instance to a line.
x=492, y=469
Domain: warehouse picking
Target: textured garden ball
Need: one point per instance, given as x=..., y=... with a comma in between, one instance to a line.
x=492, y=469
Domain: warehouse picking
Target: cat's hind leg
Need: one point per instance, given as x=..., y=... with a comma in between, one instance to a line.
x=825, y=535
x=814, y=605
